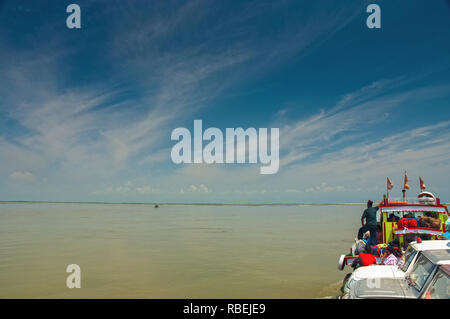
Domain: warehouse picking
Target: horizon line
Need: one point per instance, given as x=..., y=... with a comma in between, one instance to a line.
x=180, y=204
x=169, y=203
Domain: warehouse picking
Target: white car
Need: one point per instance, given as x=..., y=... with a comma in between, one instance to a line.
x=428, y=278
x=385, y=271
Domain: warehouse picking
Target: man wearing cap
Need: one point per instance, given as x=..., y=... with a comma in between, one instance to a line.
x=370, y=215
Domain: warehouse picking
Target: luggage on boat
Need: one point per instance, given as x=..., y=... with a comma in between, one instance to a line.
x=430, y=222
x=407, y=223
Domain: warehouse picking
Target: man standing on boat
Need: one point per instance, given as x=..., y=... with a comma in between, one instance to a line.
x=370, y=215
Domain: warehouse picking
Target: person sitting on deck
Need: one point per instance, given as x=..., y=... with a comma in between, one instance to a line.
x=393, y=218
x=361, y=232
x=360, y=244
x=393, y=256
x=370, y=215
x=378, y=251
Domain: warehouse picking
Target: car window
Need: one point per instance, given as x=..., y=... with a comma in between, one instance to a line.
x=440, y=287
x=410, y=253
x=420, y=273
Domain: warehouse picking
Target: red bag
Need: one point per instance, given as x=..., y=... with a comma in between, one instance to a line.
x=407, y=223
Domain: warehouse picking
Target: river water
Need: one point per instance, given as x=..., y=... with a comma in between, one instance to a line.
x=174, y=251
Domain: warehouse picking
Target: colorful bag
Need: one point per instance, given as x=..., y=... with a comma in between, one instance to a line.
x=407, y=223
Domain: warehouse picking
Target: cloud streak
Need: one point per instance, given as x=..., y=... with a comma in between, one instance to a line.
x=90, y=111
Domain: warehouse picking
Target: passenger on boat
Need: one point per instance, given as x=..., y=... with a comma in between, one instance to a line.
x=393, y=256
x=447, y=227
x=370, y=215
x=361, y=232
x=360, y=244
x=394, y=243
x=393, y=218
x=378, y=250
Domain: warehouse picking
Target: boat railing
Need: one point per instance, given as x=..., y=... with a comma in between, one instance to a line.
x=408, y=200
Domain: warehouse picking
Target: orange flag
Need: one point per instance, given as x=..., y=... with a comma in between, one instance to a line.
x=406, y=186
x=389, y=184
x=422, y=184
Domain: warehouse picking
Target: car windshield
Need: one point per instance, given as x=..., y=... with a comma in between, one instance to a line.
x=440, y=287
x=420, y=273
x=410, y=253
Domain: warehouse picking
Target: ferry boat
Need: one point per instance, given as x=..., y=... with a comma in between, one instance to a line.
x=426, y=204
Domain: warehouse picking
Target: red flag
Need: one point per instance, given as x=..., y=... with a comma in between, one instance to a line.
x=389, y=184
x=422, y=184
x=406, y=186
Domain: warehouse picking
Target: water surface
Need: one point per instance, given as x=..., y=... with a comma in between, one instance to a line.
x=174, y=251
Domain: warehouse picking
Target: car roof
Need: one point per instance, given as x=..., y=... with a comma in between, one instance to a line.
x=431, y=244
x=376, y=271
x=438, y=256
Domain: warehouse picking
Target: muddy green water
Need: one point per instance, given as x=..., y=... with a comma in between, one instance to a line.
x=138, y=251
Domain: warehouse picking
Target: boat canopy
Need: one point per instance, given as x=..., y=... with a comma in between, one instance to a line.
x=417, y=231
x=414, y=208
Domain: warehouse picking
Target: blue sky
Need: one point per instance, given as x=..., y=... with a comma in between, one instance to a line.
x=86, y=115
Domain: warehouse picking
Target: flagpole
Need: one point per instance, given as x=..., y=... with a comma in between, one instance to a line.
x=389, y=186
x=405, y=180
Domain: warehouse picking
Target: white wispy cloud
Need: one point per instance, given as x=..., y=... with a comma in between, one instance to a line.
x=22, y=176
x=354, y=162
x=128, y=188
x=340, y=125
x=92, y=138
x=325, y=188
